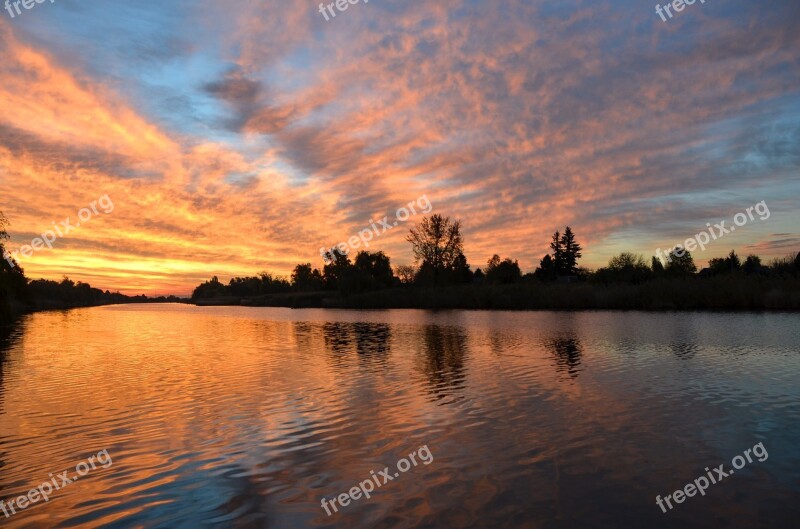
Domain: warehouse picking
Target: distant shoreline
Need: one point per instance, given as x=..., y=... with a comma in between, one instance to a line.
x=15, y=309
x=661, y=295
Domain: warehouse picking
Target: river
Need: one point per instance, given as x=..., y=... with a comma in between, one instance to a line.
x=174, y=416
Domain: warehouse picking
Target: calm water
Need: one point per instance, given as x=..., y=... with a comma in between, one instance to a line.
x=243, y=417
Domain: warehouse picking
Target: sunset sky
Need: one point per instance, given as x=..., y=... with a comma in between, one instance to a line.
x=236, y=137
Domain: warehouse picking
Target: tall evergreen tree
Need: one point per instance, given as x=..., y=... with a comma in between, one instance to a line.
x=557, y=253
x=733, y=262
x=657, y=266
x=571, y=252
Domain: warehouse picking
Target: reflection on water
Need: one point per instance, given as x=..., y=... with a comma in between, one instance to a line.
x=372, y=339
x=248, y=417
x=567, y=352
x=442, y=359
x=337, y=336
x=686, y=351
x=371, y=342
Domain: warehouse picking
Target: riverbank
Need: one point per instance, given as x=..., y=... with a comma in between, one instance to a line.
x=11, y=310
x=663, y=294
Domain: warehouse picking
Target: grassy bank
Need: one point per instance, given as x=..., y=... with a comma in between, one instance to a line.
x=41, y=295
x=663, y=294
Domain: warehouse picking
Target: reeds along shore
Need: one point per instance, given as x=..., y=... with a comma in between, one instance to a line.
x=727, y=292
x=663, y=294
x=666, y=294
x=41, y=294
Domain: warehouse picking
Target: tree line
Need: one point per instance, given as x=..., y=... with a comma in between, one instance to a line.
x=438, y=248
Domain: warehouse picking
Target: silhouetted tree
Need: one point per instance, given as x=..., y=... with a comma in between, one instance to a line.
x=626, y=261
x=306, y=279
x=210, y=289
x=680, y=265
x=335, y=274
x=406, y=274
x=546, y=270
x=726, y=265
x=557, y=253
x=784, y=266
x=656, y=266
x=261, y=285
x=563, y=259
x=626, y=267
x=3, y=225
x=13, y=283
x=752, y=265
x=717, y=265
x=571, y=252
x=244, y=286
x=733, y=262
x=437, y=244
x=461, y=273
x=502, y=272
x=69, y=293
x=372, y=271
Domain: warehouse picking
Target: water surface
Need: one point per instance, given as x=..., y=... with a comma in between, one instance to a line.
x=249, y=417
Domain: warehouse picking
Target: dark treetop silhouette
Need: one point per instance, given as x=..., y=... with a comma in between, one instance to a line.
x=442, y=278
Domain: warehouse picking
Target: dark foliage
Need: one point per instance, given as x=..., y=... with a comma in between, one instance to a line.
x=502, y=272
x=562, y=263
x=439, y=248
x=625, y=268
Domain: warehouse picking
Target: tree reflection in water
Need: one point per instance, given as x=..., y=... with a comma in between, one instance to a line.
x=442, y=361
x=567, y=351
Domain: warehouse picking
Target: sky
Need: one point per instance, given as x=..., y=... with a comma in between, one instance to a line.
x=238, y=137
